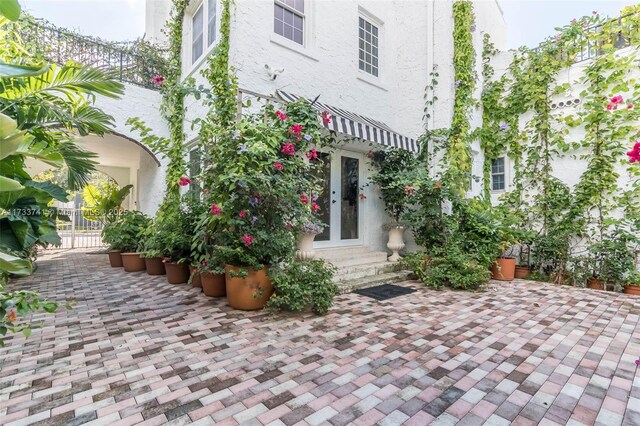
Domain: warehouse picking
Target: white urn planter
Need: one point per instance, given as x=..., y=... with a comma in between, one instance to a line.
x=305, y=246
x=396, y=242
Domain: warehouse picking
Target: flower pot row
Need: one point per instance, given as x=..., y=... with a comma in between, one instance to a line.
x=245, y=288
x=505, y=269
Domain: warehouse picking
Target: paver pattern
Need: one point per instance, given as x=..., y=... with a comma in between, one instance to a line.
x=136, y=349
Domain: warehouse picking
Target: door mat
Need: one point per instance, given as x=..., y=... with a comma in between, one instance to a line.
x=385, y=291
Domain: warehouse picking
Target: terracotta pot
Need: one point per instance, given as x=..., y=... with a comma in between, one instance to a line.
x=395, y=243
x=595, y=284
x=504, y=269
x=522, y=272
x=115, y=259
x=213, y=285
x=195, y=278
x=632, y=289
x=305, y=246
x=154, y=265
x=177, y=273
x=250, y=293
x=132, y=262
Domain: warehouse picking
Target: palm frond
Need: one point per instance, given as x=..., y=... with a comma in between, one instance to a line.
x=80, y=164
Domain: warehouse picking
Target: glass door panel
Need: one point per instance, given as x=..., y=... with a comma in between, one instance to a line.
x=350, y=190
x=324, y=199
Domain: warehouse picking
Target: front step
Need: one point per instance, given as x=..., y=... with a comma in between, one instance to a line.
x=373, y=280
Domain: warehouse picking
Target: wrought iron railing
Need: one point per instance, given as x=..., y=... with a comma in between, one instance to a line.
x=125, y=62
x=621, y=30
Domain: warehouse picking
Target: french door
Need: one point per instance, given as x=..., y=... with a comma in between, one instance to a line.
x=342, y=173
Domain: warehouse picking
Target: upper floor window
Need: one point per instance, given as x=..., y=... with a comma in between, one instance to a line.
x=369, y=55
x=206, y=13
x=288, y=19
x=197, y=25
x=497, y=174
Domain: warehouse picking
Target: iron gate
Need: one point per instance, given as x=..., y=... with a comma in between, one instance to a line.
x=78, y=232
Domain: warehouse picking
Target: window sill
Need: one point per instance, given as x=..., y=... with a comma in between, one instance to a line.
x=293, y=46
x=191, y=69
x=373, y=81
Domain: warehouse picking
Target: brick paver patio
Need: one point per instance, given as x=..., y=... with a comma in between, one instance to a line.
x=136, y=349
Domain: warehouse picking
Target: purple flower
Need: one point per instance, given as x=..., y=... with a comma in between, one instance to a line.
x=457, y=84
x=308, y=137
x=638, y=362
x=242, y=184
x=504, y=126
x=236, y=133
x=254, y=201
x=243, y=148
x=254, y=219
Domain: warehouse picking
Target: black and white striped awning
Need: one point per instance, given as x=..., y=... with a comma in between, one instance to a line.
x=358, y=126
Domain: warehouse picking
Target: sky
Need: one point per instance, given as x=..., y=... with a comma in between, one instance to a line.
x=528, y=21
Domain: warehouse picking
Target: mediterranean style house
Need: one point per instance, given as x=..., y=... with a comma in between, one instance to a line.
x=368, y=62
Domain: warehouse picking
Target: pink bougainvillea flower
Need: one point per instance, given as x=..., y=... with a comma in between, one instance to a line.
x=278, y=165
x=288, y=226
x=288, y=149
x=157, y=80
x=296, y=129
x=617, y=99
x=634, y=154
x=326, y=117
x=573, y=21
x=184, y=181
x=205, y=191
x=215, y=210
x=281, y=115
x=313, y=154
x=611, y=106
x=247, y=240
x=409, y=190
x=638, y=362
x=242, y=213
x=204, y=262
x=559, y=37
x=304, y=199
x=594, y=12
x=630, y=106
x=315, y=207
x=362, y=196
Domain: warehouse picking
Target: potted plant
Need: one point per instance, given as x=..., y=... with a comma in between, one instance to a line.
x=174, y=234
x=111, y=236
x=212, y=278
x=396, y=182
x=302, y=284
x=151, y=251
x=131, y=226
x=259, y=186
x=632, y=284
x=306, y=234
x=612, y=259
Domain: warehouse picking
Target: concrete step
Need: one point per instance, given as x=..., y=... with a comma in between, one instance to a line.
x=354, y=272
x=373, y=280
x=358, y=259
x=343, y=252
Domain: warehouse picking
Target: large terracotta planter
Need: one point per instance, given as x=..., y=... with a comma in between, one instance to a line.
x=504, y=269
x=213, y=285
x=522, y=272
x=250, y=293
x=595, y=284
x=395, y=243
x=305, y=246
x=132, y=262
x=632, y=289
x=155, y=266
x=177, y=273
x=196, y=280
x=115, y=259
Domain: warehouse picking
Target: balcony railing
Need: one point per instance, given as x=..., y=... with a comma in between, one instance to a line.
x=125, y=62
x=621, y=30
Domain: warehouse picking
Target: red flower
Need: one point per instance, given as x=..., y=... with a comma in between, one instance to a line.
x=296, y=129
x=634, y=154
x=242, y=214
x=617, y=99
x=288, y=226
x=278, y=165
x=204, y=262
x=409, y=190
x=326, y=117
x=315, y=207
x=247, y=240
x=184, y=181
x=437, y=185
x=288, y=149
x=157, y=80
x=630, y=106
x=611, y=106
x=215, y=210
x=313, y=154
x=304, y=199
x=281, y=115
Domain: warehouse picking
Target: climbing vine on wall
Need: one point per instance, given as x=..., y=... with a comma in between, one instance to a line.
x=458, y=151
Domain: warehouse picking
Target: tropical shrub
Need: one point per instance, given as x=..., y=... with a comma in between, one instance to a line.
x=126, y=232
x=395, y=177
x=301, y=284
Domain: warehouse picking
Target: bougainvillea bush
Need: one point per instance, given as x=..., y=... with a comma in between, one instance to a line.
x=263, y=184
